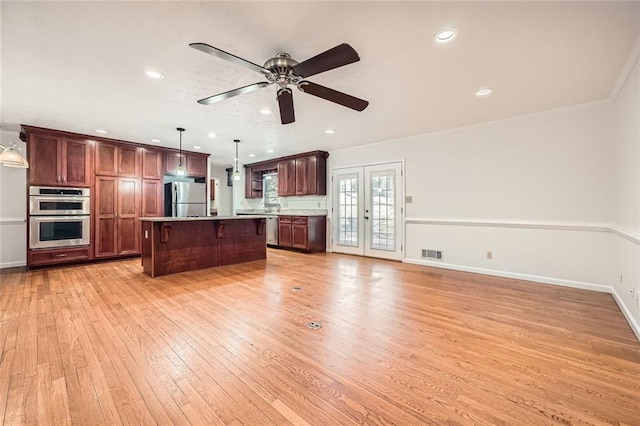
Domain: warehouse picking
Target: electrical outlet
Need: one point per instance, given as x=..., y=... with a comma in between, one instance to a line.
x=489, y=255
x=318, y=204
x=408, y=199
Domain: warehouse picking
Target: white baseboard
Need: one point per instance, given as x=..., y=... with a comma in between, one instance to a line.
x=13, y=264
x=625, y=311
x=515, y=275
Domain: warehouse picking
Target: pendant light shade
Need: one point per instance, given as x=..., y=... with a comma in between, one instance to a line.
x=236, y=174
x=180, y=170
x=11, y=157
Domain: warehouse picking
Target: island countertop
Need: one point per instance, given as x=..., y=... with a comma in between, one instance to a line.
x=192, y=219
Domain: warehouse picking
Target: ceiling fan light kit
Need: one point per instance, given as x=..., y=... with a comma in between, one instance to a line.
x=283, y=71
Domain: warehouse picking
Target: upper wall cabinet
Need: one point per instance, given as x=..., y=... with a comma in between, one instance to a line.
x=195, y=164
x=117, y=160
x=287, y=177
x=59, y=161
x=302, y=174
x=151, y=163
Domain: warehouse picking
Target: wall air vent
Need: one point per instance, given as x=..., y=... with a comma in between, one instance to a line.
x=432, y=254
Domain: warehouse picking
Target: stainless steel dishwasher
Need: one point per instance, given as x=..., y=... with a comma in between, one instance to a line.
x=272, y=230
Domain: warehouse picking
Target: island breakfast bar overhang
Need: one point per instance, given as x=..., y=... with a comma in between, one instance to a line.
x=179, y=244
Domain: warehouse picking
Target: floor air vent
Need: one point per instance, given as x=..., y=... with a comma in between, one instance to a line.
x=432, y=254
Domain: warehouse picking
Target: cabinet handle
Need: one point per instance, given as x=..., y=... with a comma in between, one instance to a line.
x=61, y=255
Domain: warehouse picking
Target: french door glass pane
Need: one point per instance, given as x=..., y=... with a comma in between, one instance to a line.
x=348, y=211
x=382, y=215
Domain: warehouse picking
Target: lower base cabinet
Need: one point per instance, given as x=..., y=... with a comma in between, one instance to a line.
x=306, y=233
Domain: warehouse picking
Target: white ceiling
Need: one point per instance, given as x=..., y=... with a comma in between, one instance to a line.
x=79, y=66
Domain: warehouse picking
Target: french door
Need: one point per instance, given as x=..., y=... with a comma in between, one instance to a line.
x=367, y=211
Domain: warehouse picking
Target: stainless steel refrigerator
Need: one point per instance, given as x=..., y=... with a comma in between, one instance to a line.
x=185, y=199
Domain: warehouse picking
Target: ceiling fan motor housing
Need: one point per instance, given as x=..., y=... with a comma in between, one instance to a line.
x=281, y=66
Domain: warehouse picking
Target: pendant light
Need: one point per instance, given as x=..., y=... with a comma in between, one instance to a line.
x=11, y=157
x=180, y=171
x=236, y=174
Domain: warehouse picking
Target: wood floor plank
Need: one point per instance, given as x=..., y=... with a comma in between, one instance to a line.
x=400, y=344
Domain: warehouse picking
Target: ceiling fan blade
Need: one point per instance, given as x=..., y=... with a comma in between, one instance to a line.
x=338, y=56
x=333, y=95
x=204, y=47
x=231, y=93
x=285, y=101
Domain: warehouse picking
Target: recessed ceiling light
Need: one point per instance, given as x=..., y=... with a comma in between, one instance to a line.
x=252, y=155
x=197, y=147
x=484, y=92
x=266, y=111
x=212, y=135
x=269, y=151
x=329, y=131
x=154, y=74
x=444, y=36
x=104, y=132
x=155, y=140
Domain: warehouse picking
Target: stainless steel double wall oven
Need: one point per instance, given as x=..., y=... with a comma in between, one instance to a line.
x=59, y=217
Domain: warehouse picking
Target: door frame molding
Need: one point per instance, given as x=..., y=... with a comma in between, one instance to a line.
x=330, y=195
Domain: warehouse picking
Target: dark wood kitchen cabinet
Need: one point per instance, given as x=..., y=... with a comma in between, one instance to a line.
x=287, y=177
x=55, y=160
x=195, y=164
x=117, y=160
x=117, y=228
x=152, y=193
x=306, y=233
x=152, y=162
x=311, y=174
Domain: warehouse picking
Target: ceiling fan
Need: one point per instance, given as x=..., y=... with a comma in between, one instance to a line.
x=285, y=71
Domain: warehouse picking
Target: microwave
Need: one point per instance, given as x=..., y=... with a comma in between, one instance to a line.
x=53, y=201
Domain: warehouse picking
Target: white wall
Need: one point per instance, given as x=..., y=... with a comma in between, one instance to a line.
x=223, y=200
x=626, y=197
x=534, y=190
x=13, y=209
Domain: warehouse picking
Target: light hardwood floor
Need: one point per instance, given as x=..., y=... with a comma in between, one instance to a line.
x=401, y=344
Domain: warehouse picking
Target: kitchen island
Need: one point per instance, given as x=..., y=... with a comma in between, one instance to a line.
x=178, y=244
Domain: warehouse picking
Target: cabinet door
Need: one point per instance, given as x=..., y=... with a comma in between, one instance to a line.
x=128, y=232
x=106, y=163
x=284, y=231
x=248, y=175
x=299, y=236
x=105, y=216
x=312, y=176
x=196, y=165
x=301, y=176
x=152, y=191
x=287, y=177
x=128, y=161
x=76, y=162
x=171, y=161
x=151, y=164
x=44, y=160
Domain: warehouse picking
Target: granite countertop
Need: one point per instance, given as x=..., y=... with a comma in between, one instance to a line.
x=283, y=212
x=193, y=219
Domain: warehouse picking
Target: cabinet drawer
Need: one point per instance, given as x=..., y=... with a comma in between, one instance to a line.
x=300, y=220
x=284, y=219
x=51, y=257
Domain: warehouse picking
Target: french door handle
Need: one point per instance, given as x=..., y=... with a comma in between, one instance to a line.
x=366, y=217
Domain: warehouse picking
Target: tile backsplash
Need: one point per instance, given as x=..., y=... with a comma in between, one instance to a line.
x=289, y=203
